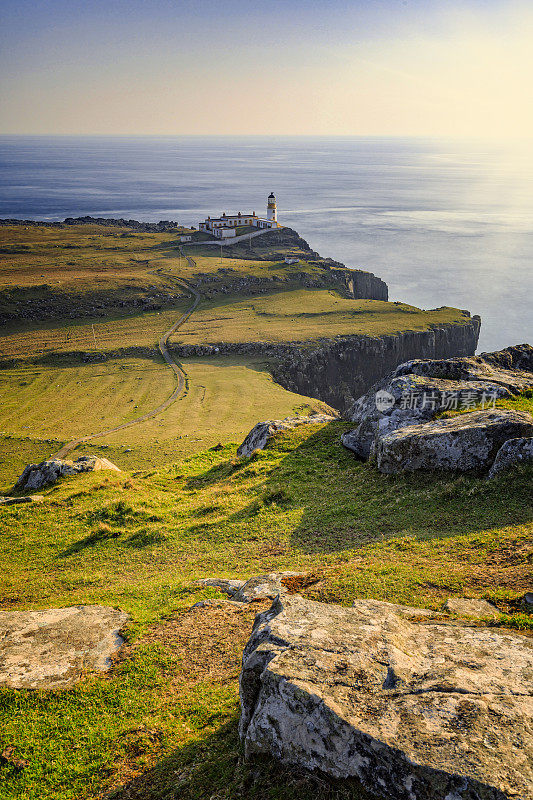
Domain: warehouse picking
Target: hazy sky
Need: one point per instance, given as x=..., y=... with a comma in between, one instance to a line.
x=380, y=67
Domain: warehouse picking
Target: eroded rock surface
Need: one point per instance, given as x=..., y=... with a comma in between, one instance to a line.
x=511, y=453
x=421, y=389
x=261, y=433
x=35, y=476
x=52, y=649
x=260, y=587
x=471, y=607
x=416, y=710
x=465, y=442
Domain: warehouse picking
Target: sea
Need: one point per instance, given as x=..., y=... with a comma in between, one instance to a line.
x=443, y=222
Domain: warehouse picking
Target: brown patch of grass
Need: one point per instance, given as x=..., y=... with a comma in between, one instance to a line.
x=296, y=583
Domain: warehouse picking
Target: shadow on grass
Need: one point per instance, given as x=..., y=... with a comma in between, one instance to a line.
x=215, y=767
x=345, y=503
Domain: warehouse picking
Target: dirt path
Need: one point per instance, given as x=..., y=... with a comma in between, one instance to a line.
x=176, y=368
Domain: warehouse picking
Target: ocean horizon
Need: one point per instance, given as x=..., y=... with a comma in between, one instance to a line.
x=443, y=222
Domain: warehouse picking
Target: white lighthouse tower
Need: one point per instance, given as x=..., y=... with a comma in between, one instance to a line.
x=272, y=209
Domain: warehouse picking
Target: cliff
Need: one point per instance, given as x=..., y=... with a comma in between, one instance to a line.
x=277, y=244
x=339, y=370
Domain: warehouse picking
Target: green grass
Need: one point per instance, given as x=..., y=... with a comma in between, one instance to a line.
x=224, y=398
x=162, y=724
x=301, y=315
x=140, y=542
x=95, y=335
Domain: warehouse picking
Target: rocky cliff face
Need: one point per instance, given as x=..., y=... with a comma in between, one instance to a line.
x=339, y=370
x=276, y=244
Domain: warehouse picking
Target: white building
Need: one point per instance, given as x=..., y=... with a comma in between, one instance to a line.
x=233, y=221
x=224, y=232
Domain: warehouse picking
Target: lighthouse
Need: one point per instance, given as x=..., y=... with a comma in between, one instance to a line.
x=272, y=209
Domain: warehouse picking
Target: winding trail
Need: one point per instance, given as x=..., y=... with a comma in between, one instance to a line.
x=163, y=349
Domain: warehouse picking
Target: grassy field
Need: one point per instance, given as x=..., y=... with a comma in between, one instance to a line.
x=94, y=335
x=224, y=399
x=162, y=724
x=79, y=260
x=305, y=315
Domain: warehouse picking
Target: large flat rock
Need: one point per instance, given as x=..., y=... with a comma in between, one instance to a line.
x=52, y=649
x=415, y=708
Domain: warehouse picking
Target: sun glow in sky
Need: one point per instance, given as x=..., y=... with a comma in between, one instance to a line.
x=386, y=67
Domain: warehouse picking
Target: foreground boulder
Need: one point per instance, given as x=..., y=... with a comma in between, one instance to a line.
x=419, y=390
x=261, y=433
x=465, y=442
x=511, y=453
x=415, y=709
x=35, y=476
x=52, y=649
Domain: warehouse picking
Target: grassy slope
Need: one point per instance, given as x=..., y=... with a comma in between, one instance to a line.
x=140, y=543
x=305, y=315
x=163, y=723
x=224, y=399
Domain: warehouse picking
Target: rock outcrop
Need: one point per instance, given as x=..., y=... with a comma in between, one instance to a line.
x=263, y=432
x=466, y=442
x=471, y=607
x=260, y=587
x=417, y=391
x=511, y=453
x=415, y=709
x=52, y=649
x=35, y=476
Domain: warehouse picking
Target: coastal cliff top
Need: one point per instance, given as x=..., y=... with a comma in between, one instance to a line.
x=302, y=315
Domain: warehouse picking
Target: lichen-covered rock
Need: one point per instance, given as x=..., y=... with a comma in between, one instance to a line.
x=471, y=607
x=414, y=399
x=35, y=476
x=263, y=587
x=52, y=649
x=418, y=390
x=260, y=587
x=416, y=710
x=511, y=453
x=464, y=442
x=261, y=433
